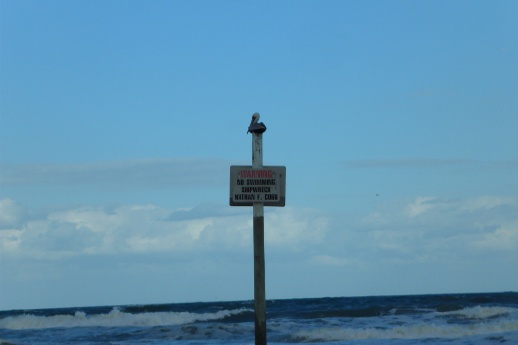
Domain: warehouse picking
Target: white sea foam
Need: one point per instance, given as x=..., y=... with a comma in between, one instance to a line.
x=481, y=312
x=418, y=331
x=115, y=318
x=482, y=322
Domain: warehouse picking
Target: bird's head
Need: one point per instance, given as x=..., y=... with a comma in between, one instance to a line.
x=255, y=118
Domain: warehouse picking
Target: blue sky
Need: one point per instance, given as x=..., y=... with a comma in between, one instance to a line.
x=119, y=120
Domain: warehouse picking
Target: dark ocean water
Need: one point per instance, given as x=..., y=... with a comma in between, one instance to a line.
x=485, y=318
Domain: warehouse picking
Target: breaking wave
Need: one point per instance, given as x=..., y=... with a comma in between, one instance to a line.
x=419, y=331
x=115, y=318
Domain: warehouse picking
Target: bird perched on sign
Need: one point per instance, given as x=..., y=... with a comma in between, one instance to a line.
x=256, y=126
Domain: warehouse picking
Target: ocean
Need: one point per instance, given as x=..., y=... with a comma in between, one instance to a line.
x=483, y=318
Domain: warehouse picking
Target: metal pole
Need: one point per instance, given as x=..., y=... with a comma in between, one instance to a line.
x=259, y=270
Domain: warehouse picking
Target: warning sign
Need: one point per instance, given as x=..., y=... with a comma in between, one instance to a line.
x=266, y=185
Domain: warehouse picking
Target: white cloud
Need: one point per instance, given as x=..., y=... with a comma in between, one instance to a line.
x=152, y=229
x=292, y=227
x=128, y=242
x=11, y=215
x=10, y=240
x=10, y=212
x=438, y=228
x=502, y=238
x=329, y=260
x=424, y=228
x=488, y=202
x=420, y=205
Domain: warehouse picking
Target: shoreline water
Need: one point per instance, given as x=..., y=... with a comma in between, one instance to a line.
x=417, y=295
x=483, y=318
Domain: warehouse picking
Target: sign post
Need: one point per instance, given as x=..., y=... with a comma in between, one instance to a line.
x=258, y=186
x=259, y=269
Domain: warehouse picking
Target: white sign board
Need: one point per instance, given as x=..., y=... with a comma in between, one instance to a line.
x=266, y=185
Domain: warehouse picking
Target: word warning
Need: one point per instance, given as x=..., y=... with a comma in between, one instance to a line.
x=266, y=185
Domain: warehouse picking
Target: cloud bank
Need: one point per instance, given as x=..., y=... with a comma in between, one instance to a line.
x=424, y=228
x=150, y=229
x=428, y=242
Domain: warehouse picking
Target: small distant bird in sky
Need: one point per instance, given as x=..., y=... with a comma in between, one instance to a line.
x=256, y=126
